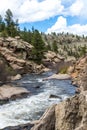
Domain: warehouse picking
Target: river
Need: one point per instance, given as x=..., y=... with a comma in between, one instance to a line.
x=31, y=108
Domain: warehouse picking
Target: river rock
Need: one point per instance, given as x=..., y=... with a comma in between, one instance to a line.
x=19, y=127
x=54, y=96
x=18, y=76
x=11, y=92
x=37, y=87
x=58, y=76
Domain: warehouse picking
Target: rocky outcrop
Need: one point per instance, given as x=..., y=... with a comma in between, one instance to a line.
x=80, y=73
x=6, y=70
x=70, y=114
x=51, y=59
x=17, y=53
x=47, y=121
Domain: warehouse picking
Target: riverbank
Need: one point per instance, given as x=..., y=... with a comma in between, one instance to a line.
x=71, y=114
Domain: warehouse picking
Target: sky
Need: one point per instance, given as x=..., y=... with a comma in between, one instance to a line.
x=49, y=15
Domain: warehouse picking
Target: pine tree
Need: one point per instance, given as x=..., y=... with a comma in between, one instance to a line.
x=55, y=47
x=11, y=25
x=39, y=46
x=2, y=24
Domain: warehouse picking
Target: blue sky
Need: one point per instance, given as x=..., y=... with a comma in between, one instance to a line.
x=49, y=15
x=42, y=26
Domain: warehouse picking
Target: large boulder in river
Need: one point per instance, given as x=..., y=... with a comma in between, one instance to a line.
x=11, y=92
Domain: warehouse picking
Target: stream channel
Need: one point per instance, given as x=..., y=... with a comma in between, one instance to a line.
x=25, y=110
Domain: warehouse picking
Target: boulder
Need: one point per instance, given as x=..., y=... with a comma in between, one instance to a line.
x=54, y=96
x=18, y=76
x=72, y=114
x=11, y=92
x=19, y=127
x=59, y=77
x=70, y=69
x=47, y=121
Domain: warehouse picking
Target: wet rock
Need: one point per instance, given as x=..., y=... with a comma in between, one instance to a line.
x=27, y=126
x=37, y=87
x=54, y=96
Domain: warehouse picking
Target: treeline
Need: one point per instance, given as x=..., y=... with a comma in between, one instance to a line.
x=63, y=44
x=66, y=44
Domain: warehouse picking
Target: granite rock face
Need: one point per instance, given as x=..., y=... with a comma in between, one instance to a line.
x=70, y=114
x=47, y=121
x=17, y=53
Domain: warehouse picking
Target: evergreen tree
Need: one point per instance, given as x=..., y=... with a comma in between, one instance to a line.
x=39, y=46
x=11, y=26
x=54, y=46
x=2, y=24
x=26, y=35
x=48, y=47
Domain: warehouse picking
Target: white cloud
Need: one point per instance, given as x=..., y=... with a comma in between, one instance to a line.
x=61, y=26
x=38, y=10
x=32, y=10
x=76, y=8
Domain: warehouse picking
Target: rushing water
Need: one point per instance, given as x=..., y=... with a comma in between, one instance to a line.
x=31, y=108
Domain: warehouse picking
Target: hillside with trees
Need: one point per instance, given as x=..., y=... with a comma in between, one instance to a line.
x=65, y=44
x=69, y=46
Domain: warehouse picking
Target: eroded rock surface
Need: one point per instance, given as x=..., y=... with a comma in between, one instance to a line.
x=70, y=114
x=17, y=53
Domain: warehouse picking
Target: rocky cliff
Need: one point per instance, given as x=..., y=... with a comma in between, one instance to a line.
x=17, y=54
x=71, y=114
